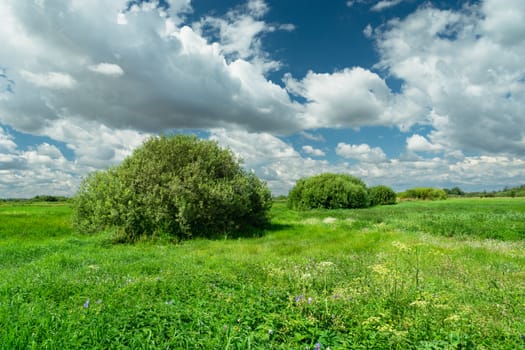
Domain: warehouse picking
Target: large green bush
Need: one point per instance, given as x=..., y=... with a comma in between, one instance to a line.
x=425, y=193
x=381, y=195
x=173, y=185
x=331, y=191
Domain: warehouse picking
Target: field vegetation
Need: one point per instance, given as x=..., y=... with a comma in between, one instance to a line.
x=415, y=275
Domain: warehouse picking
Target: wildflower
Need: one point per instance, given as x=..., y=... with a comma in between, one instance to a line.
x=310, y=300
x=419, y=303
x=299, y=298
x=380, y=269
x=325, y=264
x=317, y=346
x=270, y=331
x=401, y=246
x=86, y=304
x=238, y=320
x=225, y=327
x=452, y=318
x=169, y=302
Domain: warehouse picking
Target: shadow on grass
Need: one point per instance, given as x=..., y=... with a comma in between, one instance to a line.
x=253, y=232
x=112, y=237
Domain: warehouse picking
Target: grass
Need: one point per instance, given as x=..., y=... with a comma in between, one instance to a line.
x=417, y=275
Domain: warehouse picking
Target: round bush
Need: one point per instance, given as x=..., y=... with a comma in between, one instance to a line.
x=174, y=185
x=330, y=191
x=381, y=195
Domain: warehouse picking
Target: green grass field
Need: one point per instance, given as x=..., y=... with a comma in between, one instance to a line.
x=417, y=275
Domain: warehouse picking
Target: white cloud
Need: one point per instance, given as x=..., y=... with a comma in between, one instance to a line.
x=464, y=68
x=385, y=4
x=6, y=142
x=52, y=80
x=313, y=151
x=349, y=98
x=311, y=136
x=418, y=143
x=363, y=153
x=174, y=77
x=368, y=31
x=107, y=69
x=95, y=145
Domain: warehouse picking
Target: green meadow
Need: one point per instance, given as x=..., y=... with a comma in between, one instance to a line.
x=416, y=275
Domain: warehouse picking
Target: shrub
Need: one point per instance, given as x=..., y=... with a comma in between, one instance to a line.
x=425, y=193
x=173, y=185
x=330, y=191
x=381, y=195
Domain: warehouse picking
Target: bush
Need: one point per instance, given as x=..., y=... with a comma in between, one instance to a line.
x=173, y=185
x=330, y=191
x=425, y=193
x=381, y=195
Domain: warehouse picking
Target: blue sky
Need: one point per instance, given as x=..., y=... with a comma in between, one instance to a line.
x=398, y=92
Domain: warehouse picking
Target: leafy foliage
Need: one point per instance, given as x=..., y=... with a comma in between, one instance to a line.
x=454, y=191
x=330, y=191
x=381, y=195
x=425, y=193
x=179, y=186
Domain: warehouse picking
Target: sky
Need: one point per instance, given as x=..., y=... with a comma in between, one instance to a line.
x=403, y=93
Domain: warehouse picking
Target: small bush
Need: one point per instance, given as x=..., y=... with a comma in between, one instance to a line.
x=330, y=191
x=424, y=193
x=178, y=186
x=381, y=195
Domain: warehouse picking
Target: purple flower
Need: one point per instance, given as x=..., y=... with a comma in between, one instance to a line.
x=86, y=304
x=317, y=346
x=299, y=298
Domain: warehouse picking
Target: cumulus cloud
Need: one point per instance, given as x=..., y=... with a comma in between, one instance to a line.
x=353, y=97
x=464, y=67
x=170, y=76
x=39, y=170
x=6, y=142
x=363, y=152
x=418, y=143
x=313, y=151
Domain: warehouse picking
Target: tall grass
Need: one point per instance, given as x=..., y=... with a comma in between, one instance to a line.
x=395, y=277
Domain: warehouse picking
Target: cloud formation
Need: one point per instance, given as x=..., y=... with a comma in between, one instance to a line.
x=154, y=73
x=363, y=153
x=101, y=76
x=465, y=68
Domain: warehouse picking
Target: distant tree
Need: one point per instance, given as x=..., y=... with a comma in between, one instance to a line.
x=381, y=195
x=455, y=191
x=424, y=193
x=330, y=191
x=174, y=185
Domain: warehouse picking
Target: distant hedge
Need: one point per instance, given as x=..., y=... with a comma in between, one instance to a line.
x=424, y=193
x=178, y=186
x=330, y=191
